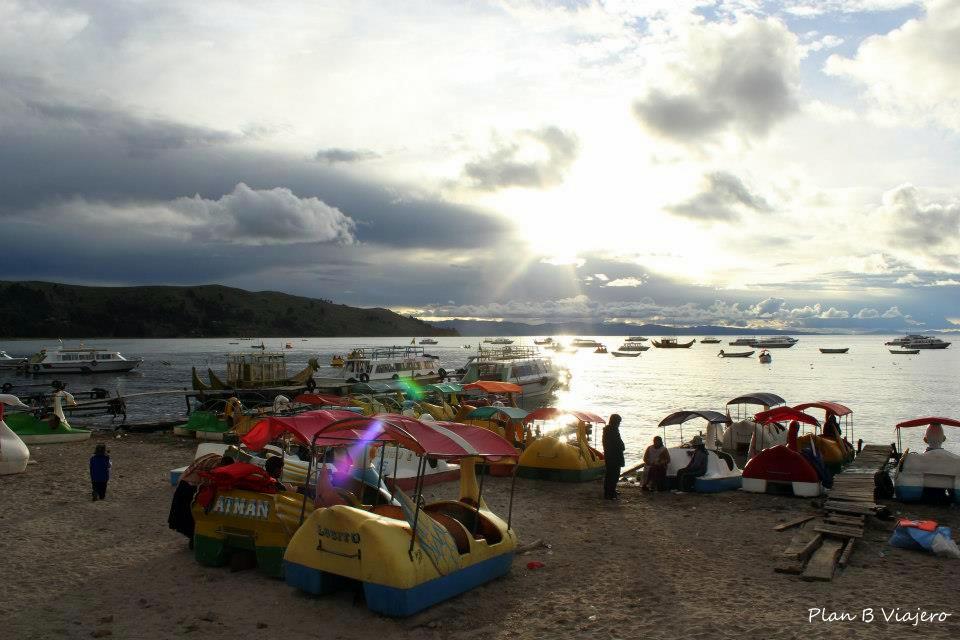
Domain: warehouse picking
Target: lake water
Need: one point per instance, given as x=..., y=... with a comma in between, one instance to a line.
x=881, y=388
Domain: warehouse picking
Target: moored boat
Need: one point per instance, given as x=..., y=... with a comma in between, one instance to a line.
x=559, y=447
x=625, y=354
x=745, y=436
x=14, y=454
x=742, y=342
x=600, y=349
x=774, y=342
x=765, y=357
x=933, y=474
x=9, y=362
x=787, y=468
x=543, y=342
x=584, y=342
x=526, y=367
x=429, y=341
x=52, y=429
x=734, y=354
x=709, y=340
x=672, y=343
x=635, y=339
x=839, y=350
x=255, y=371
x=633, y=346
x=916, y=341
x=722, y=473
x=79, y=360
x=500, y=341
x=376, y=364
x=904, y=352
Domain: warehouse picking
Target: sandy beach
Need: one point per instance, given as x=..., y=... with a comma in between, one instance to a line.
x=652, y=566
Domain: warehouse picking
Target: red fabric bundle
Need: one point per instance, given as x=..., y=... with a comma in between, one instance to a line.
x=239, y=475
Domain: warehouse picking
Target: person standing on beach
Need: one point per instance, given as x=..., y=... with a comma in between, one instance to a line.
x=612, y=456
x=100, y=472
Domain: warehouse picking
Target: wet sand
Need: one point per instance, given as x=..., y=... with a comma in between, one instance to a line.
x=651, y=566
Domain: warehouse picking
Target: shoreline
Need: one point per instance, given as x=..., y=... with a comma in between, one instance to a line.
x=651, y=565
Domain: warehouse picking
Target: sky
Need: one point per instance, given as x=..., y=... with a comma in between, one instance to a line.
x=786, y=164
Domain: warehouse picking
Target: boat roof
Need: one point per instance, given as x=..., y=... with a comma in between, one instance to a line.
x=679, y=417
x=484, y=413
x=783, y=414
x=445, y=387
x=762, y=398
x=322, y=399
x=380, y=387
x=447, y=440
x=494, y=386
x=922, y=422
x=832, y=407
x=510, y=352
x=549, y=413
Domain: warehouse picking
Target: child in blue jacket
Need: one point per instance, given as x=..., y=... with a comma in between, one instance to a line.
x=100, y=471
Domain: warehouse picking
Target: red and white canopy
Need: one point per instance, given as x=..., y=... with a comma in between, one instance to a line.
x=922, y=422
x=550, y=413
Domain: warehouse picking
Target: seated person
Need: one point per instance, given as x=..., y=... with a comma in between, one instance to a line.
x=696, y=467
x=934, y=436
x=655, y=461
x=274, y=468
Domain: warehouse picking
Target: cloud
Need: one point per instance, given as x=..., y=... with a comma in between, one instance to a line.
x=867, y=313
x=920, y=225
x=626, y=282
x=892, y=312
x=740, y=77
x=768, y=306
x=721, y=198
x=244, y=216
x=532, y=159
x=910, y=278
x=334, y=155
x=911, y=72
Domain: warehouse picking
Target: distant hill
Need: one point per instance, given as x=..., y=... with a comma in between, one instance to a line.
x=51, y=310
x=491, y=328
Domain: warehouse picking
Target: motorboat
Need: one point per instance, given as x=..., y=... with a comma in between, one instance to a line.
x=672, y=343
x=633, y=346
x=734, y=354
x=559, y=446
x=765, y=357
x=932, y=474
x=744, y=435
x=543, y=342
x=839, y=350
x=584, y=342
x=904, y=352
x=600, y=349
x=47, y=429
x=250, y=370
x=408, y=554
x=722, y=472
x=833, y=444
x=743, y=342
x=374, y=364
x=526, y=367
x=916, y=341
x=14, y=454
x=625, y=354
x=709, y=340
x=8, y=362
x=79, y=360
x=787, y=467
x=429, y=341
x=501, y=341
x=635, y=339
x=774, y=342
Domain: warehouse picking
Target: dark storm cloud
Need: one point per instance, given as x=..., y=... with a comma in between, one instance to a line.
x=742, y=79
x=722, y=198
x=509, y=166
x=919, y=225
x=334, y=155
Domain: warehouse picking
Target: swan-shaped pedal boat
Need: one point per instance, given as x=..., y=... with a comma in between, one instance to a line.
x=933, y=472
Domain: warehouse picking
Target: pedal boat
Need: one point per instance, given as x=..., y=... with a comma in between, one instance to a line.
x=552, y=454
x=936, y=471
x=744, y=436
x=835, y=449
x=722, y=471
x=246, y=511
x=412, y=555
x=783, y=468
x=14, y=454
x=506, y=422
x=54, y=429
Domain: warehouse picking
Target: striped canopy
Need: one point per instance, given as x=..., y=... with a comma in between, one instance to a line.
x=550, y=413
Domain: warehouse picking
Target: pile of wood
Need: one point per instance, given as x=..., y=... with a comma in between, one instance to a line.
x=826, y=542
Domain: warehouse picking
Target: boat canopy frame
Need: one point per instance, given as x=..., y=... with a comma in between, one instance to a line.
x=679, y=417
x=837, y=409
x=923, y=422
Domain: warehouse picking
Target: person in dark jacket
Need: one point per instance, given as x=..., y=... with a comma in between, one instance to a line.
x=612, y=456
x=100, y=472
x=697, y=466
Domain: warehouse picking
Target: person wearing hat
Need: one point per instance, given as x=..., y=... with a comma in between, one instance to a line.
x=697, y=466
x=613, y=449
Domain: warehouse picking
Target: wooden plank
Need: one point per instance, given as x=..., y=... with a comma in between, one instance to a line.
x=838, y=530
x=850, y=521
x=803, y=543
x=792, y=523
x=805, y=549
x=823, y=563
x=859, y=508
x=852, y=497
x=847, y=550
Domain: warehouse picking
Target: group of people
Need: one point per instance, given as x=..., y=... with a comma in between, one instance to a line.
x=656, y=459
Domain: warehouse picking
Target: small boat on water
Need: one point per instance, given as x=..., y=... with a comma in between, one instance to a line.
x=584, y=342
x=774, y=342
x=843, y=350
x=53, y=429
x=625, y=354
x=915, y=341
x=600, y=349
x=633, y=346
x=709, y=340
x=905, y=352
x=671, y=343
x=734, y=354
x=545, y=341
x=7, y=362
x=765, y=357
x=742, y=342
x=501, y=341
x=288, y=346
x=80, y=360
x=468, y=346
x=428, y=341
x=635, y=339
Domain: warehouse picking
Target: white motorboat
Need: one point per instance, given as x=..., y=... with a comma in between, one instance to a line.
x=635, y=339
x=501, y=341
x=774, y=342
x=926, y=342
x=899, y=342
x=584, y=342
x=536, y=374
x=429, y=341
x=633, y=346
x=8, y=362
x=743, y=342
x=80, y=360
x=366, y=364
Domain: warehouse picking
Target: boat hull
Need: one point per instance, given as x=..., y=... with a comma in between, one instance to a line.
x=834, y=350
x=121, y=366
x=631, y=354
